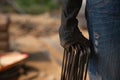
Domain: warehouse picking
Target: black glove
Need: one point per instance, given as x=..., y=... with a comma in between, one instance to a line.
x=69, y=37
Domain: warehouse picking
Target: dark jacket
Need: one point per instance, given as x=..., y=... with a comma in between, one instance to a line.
x=69, y=31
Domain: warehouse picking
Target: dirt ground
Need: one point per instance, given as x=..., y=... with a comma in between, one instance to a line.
x=38, y=37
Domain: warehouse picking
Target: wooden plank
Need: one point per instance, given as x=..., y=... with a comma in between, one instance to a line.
x=3, y=28
x=11, y=59
x=4, y=36
x=4, y=24
x=4, y=46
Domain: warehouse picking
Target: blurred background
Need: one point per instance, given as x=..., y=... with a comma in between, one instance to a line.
x=29, y=41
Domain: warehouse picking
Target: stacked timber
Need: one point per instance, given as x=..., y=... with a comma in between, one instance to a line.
x=4, y=35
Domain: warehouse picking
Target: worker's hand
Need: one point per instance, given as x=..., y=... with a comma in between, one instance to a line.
x=69, y=37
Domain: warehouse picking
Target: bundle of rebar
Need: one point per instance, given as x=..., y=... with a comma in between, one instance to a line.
x=75, y=63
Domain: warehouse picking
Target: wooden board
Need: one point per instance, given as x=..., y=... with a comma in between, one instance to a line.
x=8, y=60
x=4, y=24
x=4, y=46
x=4, y=36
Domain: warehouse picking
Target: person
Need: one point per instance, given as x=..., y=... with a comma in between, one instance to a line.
x=103, y=22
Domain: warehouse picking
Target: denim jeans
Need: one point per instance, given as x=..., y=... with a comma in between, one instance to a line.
x=103, y=19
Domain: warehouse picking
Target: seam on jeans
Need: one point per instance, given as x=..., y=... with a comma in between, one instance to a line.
x=104, y=22
x=100, y=3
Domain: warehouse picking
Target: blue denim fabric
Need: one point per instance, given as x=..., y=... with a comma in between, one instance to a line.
x=103, y=17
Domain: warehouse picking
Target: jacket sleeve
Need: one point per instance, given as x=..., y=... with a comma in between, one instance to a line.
x=69, y=12
x=69, y=32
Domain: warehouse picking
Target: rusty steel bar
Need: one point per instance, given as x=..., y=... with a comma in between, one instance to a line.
x=75, y=63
